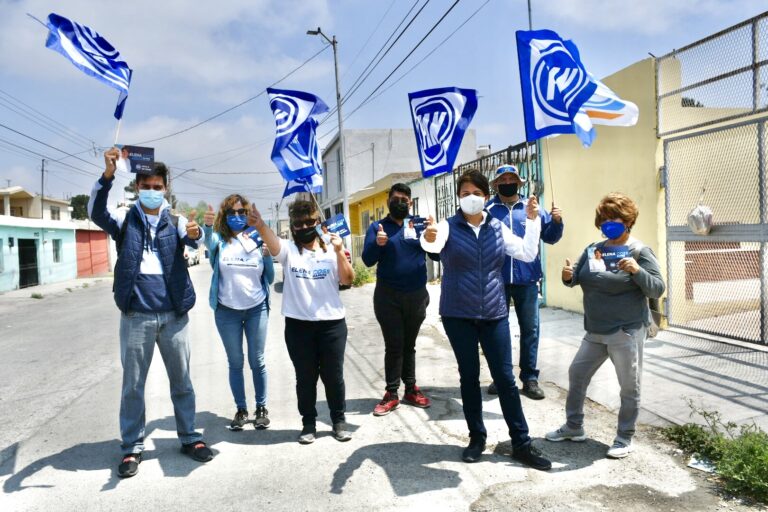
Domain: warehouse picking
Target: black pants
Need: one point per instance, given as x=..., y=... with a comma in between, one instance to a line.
x=400, y=315
x=317, y=350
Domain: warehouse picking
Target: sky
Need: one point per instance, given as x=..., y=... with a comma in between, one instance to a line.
x=193, y=60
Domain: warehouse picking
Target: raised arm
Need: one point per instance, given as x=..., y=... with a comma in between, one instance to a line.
x=97, y=204
x=266, y=233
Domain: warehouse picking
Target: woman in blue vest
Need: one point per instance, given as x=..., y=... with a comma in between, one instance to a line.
x=239, y=297
x=472, y=247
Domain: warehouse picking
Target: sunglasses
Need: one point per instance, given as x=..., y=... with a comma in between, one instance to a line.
x=239, y=211
x=306, y=223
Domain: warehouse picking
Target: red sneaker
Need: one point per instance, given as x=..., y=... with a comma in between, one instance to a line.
x=416, y=398
x=389, y=403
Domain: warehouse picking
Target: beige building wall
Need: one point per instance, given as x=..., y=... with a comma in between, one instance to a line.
x=622, y=160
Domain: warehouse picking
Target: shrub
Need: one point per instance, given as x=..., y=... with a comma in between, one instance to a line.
x=740, y=454
x=363, y=275
x=37, y=296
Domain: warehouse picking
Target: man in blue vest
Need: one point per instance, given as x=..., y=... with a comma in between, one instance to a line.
x=521, y=278
x=153, y=291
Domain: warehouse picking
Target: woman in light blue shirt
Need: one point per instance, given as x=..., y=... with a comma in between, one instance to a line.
x=239, y=297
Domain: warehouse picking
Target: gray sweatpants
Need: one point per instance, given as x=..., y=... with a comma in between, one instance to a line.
x=625, y=348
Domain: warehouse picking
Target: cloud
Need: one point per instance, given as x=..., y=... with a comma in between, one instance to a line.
x=211, y=44
x=647, y=17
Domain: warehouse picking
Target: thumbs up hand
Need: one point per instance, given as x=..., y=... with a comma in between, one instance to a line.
x=381, y=237
x=430, y=234
x=193, y=229
x=567, y=271
x=209, y=216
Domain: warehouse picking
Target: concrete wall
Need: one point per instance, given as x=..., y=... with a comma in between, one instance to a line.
x=45, y=232
x=620, y=160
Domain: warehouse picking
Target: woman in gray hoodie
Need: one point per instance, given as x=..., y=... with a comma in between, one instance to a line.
x=616, y=318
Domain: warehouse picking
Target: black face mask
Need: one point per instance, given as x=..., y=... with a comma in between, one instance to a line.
x=305, y=235
x=398, y=209
x=508, y=189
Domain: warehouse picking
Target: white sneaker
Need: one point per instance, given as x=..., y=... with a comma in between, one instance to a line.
x=565, y=433
x=619, y=449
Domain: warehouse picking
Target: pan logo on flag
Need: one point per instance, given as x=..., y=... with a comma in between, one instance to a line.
x=286, y=111
x=435, y=123
x=554, y=86
x=440, y=118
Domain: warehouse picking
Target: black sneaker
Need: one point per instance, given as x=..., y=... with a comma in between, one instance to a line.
x=532, y=390
x=307, y=435
x=341, y=433
x=129, y=465
x=262, y=418
x=474, y=451
x=492, y=389
x=198, y=451
x=531, y=457
x=240, y=419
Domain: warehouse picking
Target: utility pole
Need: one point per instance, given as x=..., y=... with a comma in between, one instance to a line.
x=42, y=186
x=342, y=158
x=8, y=182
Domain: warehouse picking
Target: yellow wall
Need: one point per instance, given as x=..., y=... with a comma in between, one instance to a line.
x=369, y=204
x=620, y=160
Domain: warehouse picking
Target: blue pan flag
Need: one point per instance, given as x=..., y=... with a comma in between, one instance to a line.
x=91, y=53
x=295, y=152
x=555, y=86
x=313, y=184
x=440, y=119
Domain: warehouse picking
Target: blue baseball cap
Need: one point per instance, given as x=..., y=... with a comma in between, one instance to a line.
x=508, y=169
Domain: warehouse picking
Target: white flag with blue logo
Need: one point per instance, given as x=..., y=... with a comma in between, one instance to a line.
x=91, y=53
x=559, y=95
x=440, y=119
x=295, y=152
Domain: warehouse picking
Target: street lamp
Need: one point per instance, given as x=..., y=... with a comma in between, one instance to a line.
x=342, y=158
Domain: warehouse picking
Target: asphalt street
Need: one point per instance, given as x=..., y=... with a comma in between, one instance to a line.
x=59, y=398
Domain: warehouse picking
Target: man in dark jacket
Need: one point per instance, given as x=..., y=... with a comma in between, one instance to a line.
x=521, y=278
x=400, y=299
x=153, y=291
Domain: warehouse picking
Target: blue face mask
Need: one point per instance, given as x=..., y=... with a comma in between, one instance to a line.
x=151, y=199
x=612, y=230
x=236, y=222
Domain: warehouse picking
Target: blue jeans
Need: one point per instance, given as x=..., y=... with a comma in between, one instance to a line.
x=232, y=324
x=526, y=300
x=139, y=332
x=495, y=340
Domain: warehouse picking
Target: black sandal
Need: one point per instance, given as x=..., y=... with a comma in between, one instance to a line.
x=198, y=451
x=129, y=465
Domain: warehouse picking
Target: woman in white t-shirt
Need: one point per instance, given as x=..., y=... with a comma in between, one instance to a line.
x=315, y=328
x=240, y=299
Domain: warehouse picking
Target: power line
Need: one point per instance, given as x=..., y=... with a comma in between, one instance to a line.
x=371, y=62
x=440, y=44
x=41, y=155
x=85, y=138
x=48, y=145
x=365, y=44
x=250, y=145
x=29, y=117
x=362, y=103
x=236, y=106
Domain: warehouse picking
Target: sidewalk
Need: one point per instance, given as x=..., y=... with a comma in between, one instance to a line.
x=54, y=288
x=716, y=376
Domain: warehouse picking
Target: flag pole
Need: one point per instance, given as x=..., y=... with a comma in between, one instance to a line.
x=549, y=170
x=322, y=215
x=426, y=197
x=117, y=131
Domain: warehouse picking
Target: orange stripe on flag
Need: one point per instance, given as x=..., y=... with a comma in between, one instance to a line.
x=597, y=114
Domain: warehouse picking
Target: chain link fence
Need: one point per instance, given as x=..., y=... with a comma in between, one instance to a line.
x=717, y=283
x=719, y=78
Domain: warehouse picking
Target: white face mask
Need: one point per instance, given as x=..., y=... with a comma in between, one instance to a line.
x=472, y=204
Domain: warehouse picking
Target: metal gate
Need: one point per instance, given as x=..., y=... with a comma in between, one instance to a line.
x=717, y=283
x=445, y=185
